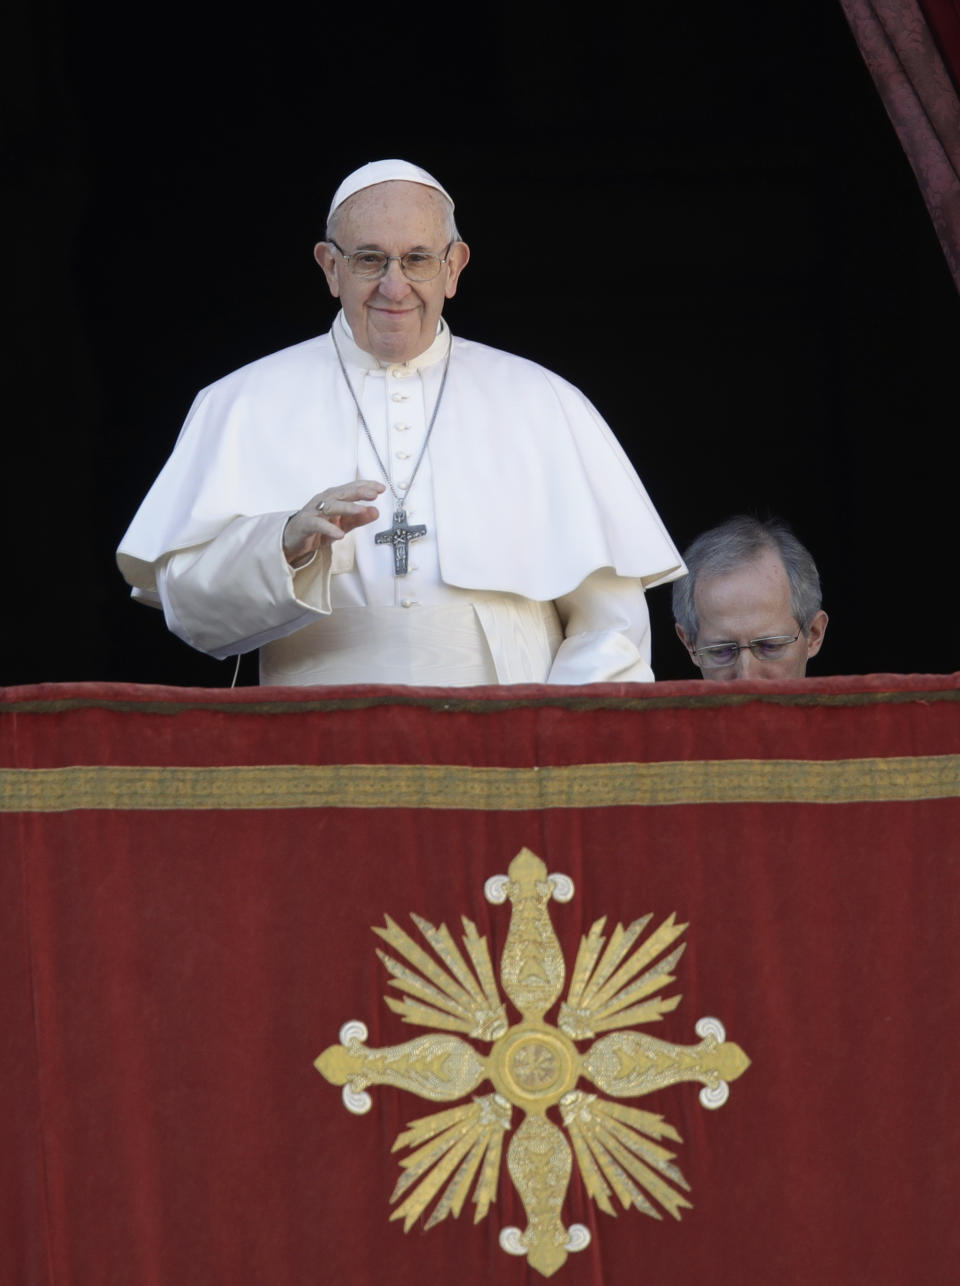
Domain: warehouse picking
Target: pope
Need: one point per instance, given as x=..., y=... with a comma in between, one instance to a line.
x=389, y=504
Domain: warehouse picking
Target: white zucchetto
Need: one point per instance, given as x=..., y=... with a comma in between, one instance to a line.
x=384, y=172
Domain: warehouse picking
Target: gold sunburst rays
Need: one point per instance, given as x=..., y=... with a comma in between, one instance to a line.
x=453, y=999
x=535, y=1066
x=601, y=994
x=450, y=1148
x=615, y=1153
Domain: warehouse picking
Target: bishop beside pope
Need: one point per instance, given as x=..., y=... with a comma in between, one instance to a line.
x=389, y=504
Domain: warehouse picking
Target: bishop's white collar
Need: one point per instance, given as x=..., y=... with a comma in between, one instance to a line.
x=354, y=355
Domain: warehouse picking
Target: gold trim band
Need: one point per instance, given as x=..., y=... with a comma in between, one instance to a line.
x=485, y=789
x=453, y=704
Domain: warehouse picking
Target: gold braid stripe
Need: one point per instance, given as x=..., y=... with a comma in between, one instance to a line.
x=453, y=704
x=449, y=786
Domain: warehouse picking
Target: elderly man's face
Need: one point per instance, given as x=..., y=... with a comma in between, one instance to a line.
x=752, y=602
x=393, y=318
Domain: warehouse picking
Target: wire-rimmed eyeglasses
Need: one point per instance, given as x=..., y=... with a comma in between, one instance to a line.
x=416, y=265
x=717, y=655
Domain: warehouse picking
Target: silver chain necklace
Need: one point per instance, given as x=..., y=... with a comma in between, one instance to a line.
x=400, y=533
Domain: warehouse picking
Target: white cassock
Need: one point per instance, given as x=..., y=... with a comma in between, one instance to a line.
x=540, y=536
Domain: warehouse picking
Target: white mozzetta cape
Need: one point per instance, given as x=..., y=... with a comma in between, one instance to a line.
x=531, y=492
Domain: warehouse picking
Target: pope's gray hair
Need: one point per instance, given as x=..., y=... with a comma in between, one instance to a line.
x=728, y=547
x=451, y=225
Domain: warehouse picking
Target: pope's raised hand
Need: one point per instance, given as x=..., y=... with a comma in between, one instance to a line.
x=328, y=516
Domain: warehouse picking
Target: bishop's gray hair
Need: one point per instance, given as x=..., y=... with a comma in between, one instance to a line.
x=738, y=541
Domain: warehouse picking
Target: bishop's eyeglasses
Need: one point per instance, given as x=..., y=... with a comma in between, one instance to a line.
x=416, y=265
x=717, y=655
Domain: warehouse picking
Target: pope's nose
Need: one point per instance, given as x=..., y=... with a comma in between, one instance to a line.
x=393, y=284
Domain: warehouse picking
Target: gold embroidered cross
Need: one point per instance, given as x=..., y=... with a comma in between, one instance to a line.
x=534, y=1066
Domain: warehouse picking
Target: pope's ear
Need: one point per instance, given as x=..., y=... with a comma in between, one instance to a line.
x=457, y=259
x=323, y=253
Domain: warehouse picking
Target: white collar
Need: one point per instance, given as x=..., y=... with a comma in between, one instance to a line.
x=356, y=356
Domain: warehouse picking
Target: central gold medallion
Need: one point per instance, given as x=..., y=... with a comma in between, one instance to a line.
x=534, y=1066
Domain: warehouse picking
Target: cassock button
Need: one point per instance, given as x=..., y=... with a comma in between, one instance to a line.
x=401, y=428
x=402, y=455
x=399, y=397
x=408, y=602
x=403, y=484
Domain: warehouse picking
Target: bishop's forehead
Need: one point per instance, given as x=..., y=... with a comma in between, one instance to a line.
x=394, y=214
x=393, y=203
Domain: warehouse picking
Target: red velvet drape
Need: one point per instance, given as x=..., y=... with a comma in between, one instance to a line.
x=912, y=50
x=943, y=19
x=189, y=884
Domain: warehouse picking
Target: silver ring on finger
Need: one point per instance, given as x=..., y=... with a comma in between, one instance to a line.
x=321, y=506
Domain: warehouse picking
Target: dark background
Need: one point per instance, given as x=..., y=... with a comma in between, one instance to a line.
x=699, y=214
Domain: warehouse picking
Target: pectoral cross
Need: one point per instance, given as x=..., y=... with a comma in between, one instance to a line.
x=400, y=536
